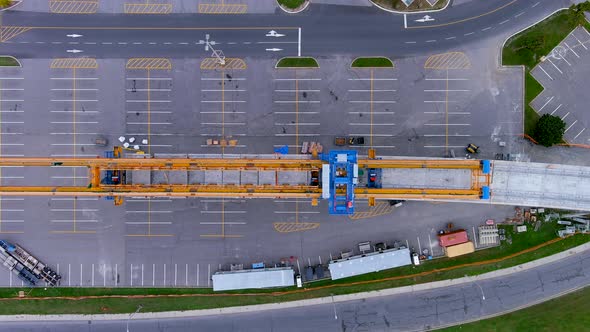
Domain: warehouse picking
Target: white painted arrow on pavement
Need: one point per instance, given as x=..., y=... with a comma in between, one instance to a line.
x=426, y=18
x=74, y=51
x=74, y=35
x=273, y=33
x=274, y=49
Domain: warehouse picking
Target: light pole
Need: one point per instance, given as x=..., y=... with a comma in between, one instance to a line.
x=333, y=305
x=131, y=315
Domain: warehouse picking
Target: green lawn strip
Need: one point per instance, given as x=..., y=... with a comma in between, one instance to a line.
x=529, y=46
x=7, y=61
x=297, y=63
x=570, y=312
x=407, y=276
x=373, y=62
x=291, y=4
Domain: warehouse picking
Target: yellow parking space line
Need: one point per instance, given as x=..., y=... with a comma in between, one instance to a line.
x=74, y=63
x=221, y=236
x=73, y=6
x=148, y=8
x=380, y=209
x=73, y=232
x=448, y=61
x=8, y=32
x=149, y=63
x=230, y=63
x=290, y=227
x=223, y=8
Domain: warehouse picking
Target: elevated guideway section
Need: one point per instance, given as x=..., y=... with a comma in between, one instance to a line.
x=544, y=185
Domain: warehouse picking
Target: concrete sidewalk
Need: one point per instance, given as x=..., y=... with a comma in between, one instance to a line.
x=304, y=303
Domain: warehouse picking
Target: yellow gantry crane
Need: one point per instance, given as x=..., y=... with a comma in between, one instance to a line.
x=101, y=168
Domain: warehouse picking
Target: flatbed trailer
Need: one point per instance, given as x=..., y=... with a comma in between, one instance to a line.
x=26, y=266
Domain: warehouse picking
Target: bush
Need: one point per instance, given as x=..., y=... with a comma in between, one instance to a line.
x=549, y=130
x=5, y=3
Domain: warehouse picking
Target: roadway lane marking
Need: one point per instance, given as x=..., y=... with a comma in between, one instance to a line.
x=468, y=34
x=486, y=29
x=568, y=128
x=535, y=5
x=551, y=78
x=503, y=22
x=449, y=38
x=555, y=110
x=548, y=101
x=565, y=116
x=299, y=42
x=222, y=223
x=463, y=20
x=519, y=14
x=410, y=42
x=431, y=41
x=579, y=133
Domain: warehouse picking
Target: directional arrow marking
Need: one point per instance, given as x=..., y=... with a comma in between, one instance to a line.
x=274, y=49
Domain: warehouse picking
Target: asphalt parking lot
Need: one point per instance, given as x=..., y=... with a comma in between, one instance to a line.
x=59, y=108
x=564, y=73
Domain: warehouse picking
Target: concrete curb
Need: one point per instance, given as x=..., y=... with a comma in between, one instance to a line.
x=410, y=12
x=304, y=303
x=15, y=59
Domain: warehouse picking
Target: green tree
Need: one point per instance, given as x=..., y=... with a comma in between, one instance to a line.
x=549, y=130
x=5, y=3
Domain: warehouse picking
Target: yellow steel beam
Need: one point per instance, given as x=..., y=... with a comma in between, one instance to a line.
x=419, y=163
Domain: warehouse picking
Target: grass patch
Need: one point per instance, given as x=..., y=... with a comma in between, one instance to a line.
x=417, y=5
x=203, y=298
x=376, y=62
x=529, y=46
x=291, y=4
x=566, y=313
x=7, y=61
x=297, y=62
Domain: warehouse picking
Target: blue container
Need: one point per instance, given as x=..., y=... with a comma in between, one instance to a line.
x=486, y=166
x=485, y=192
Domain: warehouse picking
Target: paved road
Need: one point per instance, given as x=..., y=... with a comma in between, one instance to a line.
x=325, y=30
x=405, y=312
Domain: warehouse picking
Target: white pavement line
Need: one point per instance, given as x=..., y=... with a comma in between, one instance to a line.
x=446, y=90
x=374, y=101
x=543, y=69
x=579, y=41
x=374, y=79
x=419, y=246
x=369, y=124
x=230, y=90
x=208, y=275
x=580, y=133
x=571, y=49
x=222, y=223
x=145, y=123
x=468, y=34
x=69, y=275
x=219, y=112
x=71, y=78
x=320, y=259
x=447, y=124
x=370, y=90
x=306, y=135
x=197, y=274
x=486, y=29
x=474, y=236
x=71, y=100
x=407, y=244
x=225, y=79
x=104, y=275
x=11, y=89
x=568, y=128
x=450, y=38
x=12, y=78
x=142, y=274
x=290, y=90
x=298, y=267
x=70, y=122
x=72, y=210
x=555, y=110
x=92, y=274
x=405, y=22
x=374, y=135
x=153, y=274
x=146, y=222
x=505, y=21
x=116, y=275
x=13, y=100
x=295, y=112
x=143, y=101
x=430, y=243
x=519, y=14
x=375, y=112
x=175, y=273
x=226, y=212
x=81, y=275
x=331, y=258
x=131, y=275
x=301, y=212
x=151, y=79
x=443, y=146
x=535, y=5
x=300, y=124
x=564, y=59
x=410, y=42
x=295, y=79
x=548, y=101
x=10, y=276
x=186, y=274
x=223, y=101
x=150, y=112
x=565, y=116
x=299, y=42
x=297, y=102
x=559, y=70
x=70, y=89
x=431, y=41
x=375, y=146
x=72, y=220
x=450, y=135
x=444, y=79
x=142, y=90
